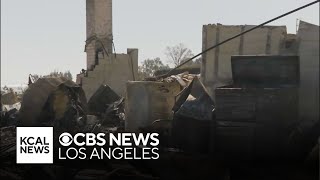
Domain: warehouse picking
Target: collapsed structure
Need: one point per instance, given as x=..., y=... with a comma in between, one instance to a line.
x=268, y=40
x=104, y=66
x=257, y=97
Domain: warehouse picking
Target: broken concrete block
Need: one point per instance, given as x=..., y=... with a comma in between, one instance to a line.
x=148, y=101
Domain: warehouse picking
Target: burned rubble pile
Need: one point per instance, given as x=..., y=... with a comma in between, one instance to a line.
x=107, y=106
x=201, y=137
x=61, y=103
x=9, y=107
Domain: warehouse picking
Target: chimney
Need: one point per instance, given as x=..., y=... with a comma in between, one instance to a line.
x=99, y=29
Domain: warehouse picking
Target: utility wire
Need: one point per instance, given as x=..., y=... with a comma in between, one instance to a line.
x=231, y=38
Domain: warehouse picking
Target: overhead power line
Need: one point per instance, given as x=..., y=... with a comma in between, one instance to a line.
x=233, y=37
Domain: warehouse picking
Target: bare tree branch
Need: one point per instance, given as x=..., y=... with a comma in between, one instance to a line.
x=177, y=54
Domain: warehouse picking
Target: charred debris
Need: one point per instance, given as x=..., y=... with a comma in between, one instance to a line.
x=250, y=125
x=236, y=121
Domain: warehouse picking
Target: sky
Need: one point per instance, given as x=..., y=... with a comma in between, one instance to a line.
x=40, y=36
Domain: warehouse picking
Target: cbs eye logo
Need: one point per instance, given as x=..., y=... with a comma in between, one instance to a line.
x=65, y=139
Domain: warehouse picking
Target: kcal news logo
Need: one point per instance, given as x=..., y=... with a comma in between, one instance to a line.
x=34, y=145
x=108, y=146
